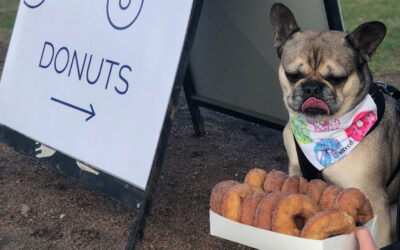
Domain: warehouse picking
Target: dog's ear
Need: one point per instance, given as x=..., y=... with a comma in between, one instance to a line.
x=283, y=24
x=366, y=38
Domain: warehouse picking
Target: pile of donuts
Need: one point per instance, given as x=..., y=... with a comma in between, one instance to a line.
x=291, y=205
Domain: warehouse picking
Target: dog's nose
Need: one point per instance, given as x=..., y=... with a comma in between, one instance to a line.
x=312, y=88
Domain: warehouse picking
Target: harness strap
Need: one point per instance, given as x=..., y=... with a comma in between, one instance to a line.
x=308, y=171
x=379, y=99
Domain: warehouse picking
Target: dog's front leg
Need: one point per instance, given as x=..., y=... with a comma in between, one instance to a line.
x=290, y=146
x=380, y=206
x=372, y=190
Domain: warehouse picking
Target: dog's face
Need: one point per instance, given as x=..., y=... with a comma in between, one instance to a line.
x=323, y=74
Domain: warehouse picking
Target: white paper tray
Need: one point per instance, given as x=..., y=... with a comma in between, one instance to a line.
x=264, y=239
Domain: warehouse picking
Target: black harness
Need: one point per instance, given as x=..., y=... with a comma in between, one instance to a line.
x=376, y=91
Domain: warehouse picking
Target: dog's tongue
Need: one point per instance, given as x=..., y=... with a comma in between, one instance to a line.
x=314, y=103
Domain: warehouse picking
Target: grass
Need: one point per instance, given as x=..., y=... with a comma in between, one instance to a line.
x=8, y=10
x=356, y=12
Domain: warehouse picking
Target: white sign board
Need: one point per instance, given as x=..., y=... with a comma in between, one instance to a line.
x=93, y=78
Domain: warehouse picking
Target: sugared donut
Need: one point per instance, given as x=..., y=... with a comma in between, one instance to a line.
x=290, y=208
x=274, y=181
x=303, y=185
x=256, y=178
x=248, y=208
x=263, y=216
x=328, y=197
x=354, y=202
x=291, y=185
x=366, y=213
x=328, y=223
x=315, y=188
x=217, y=194
x=233, y=200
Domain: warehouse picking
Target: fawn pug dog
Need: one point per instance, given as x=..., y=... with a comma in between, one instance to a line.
x=326, y=85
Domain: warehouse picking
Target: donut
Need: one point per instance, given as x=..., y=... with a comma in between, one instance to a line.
x=315, y=188
x=274, y=181
x=324, y=150
x=361, y=124
x=263, y=216
x=233, y=199
x=303, y=185
x=367, y=213
x=289, y=208
x=291, y=185
x=328, y=197
x=256, y=177
x=354, y=202
x=217, y=194
x=328, y=223
x=248, y=208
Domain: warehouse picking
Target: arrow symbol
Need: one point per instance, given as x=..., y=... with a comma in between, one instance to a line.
x=89, y=112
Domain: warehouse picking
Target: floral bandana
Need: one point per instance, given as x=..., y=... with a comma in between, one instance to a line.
x=326, y=142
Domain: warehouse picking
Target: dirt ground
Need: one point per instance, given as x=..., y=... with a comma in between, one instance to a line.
x=41, y=209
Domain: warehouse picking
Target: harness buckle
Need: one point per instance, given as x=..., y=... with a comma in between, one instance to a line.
x=383, y=86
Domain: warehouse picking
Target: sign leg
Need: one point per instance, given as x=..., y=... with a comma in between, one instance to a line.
x=194, y=109
x=136, y=230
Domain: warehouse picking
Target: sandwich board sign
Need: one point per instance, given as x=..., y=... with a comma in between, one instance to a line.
x=93, y=79
x=88, y=87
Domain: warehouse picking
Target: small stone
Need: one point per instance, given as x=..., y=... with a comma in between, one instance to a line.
x=62, y=216
x=25, y=210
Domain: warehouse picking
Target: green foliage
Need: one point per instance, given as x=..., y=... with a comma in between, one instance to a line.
x=356, y=12
x=8, y=10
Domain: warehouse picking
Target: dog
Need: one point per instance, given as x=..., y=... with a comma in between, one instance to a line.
x=325, y=81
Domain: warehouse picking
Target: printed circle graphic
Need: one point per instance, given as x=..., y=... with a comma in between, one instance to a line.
x=121, y=16
x=300, y=131
x=126, y=6
x=33, y=4
x=324, y=149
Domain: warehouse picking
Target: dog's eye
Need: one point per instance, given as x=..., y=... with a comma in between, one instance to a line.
x=336, y=80
x=293, y=77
